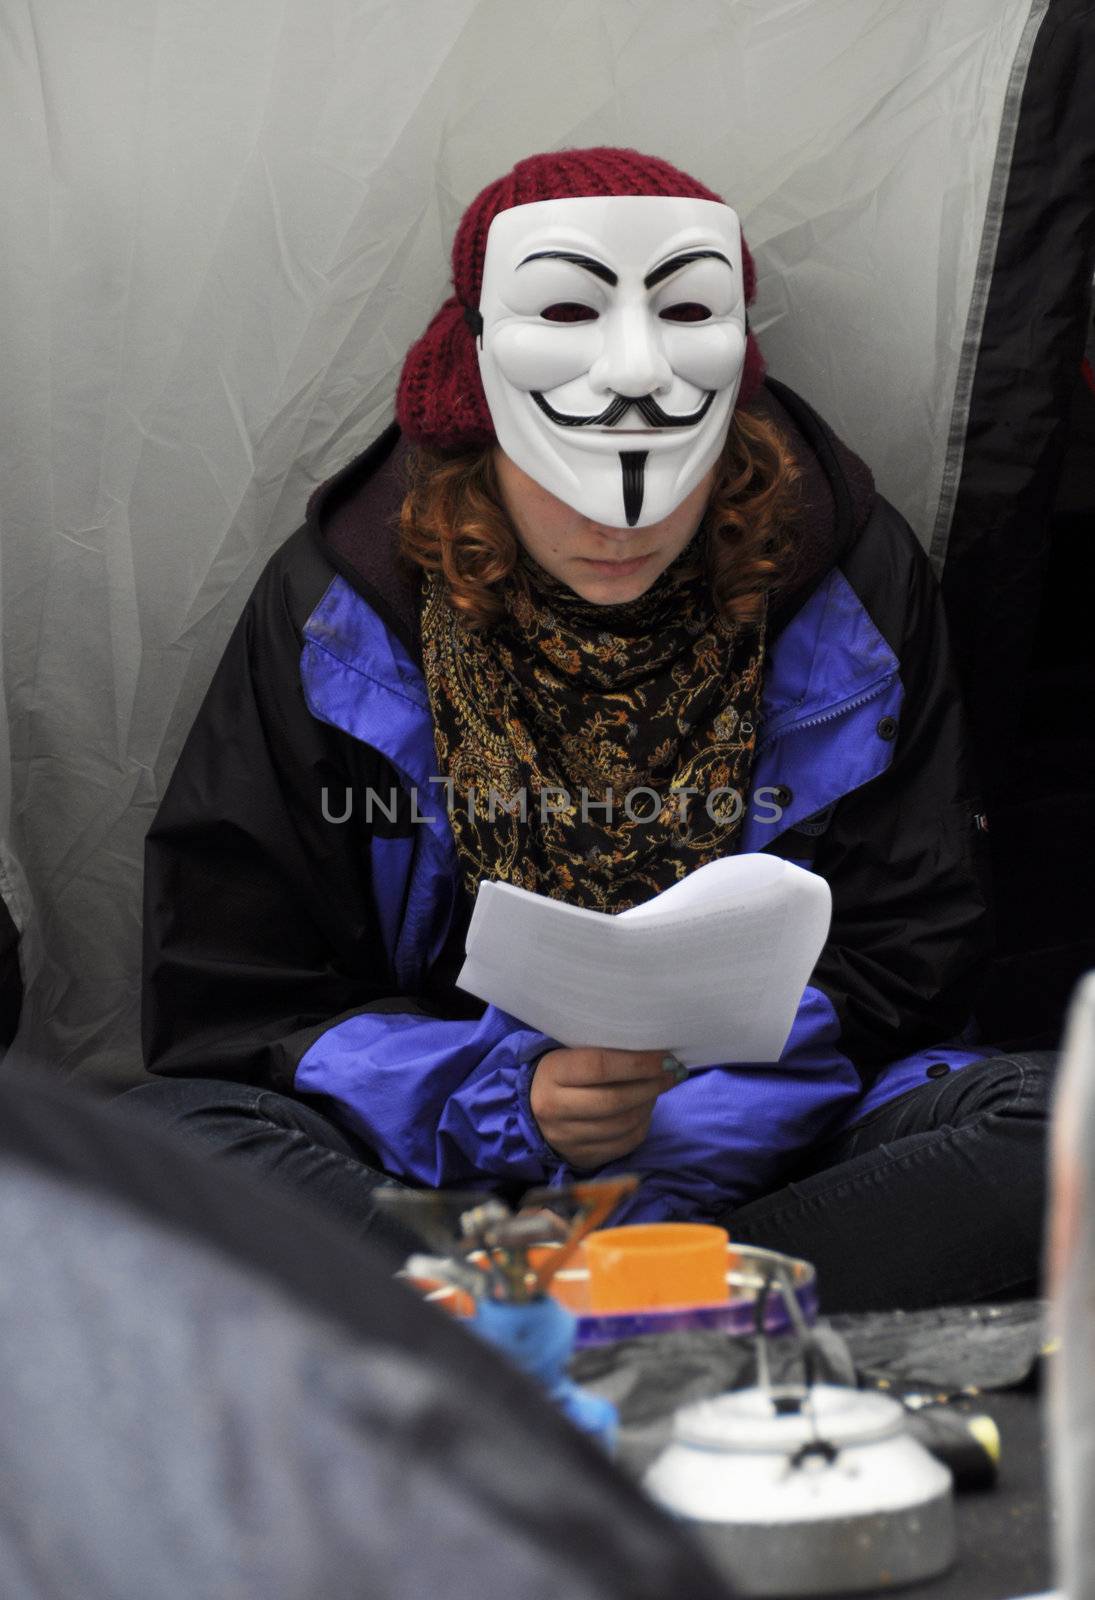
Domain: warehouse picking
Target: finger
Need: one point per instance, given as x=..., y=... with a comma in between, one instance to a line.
x=590, y=1068
x=598, y=1104
x=568, y=1131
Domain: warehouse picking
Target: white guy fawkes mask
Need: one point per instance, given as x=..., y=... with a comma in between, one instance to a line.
x=612, y=347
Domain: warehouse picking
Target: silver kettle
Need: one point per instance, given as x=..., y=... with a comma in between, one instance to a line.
x=809, y=1489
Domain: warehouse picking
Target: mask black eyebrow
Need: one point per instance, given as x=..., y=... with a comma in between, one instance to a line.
x=598, y=268
x=675, y=263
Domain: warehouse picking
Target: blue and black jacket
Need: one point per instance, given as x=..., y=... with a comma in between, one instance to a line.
x=294, y=940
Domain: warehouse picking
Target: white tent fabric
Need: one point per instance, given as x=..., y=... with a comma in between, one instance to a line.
x=224, y=223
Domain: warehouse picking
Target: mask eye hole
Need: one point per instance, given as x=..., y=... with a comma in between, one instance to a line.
x=568, y=311
x=685, y=311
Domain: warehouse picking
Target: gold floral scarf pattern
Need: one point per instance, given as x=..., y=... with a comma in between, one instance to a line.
x=567, y=732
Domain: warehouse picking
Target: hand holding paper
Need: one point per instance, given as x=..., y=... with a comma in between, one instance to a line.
x=712, y=969
x=594, y=1105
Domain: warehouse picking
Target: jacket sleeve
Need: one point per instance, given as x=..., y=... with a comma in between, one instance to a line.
x=265, y=956
x=911, y=931
x=905, y=855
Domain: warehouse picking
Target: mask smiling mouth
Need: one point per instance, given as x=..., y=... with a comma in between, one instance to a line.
x=651, y=411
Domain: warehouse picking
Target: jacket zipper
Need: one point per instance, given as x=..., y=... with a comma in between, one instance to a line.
x=829, y=716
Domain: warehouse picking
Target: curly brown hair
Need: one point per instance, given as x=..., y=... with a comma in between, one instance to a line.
x=453, y=522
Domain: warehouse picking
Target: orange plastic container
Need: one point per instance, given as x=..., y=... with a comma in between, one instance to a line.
x=656, y=1264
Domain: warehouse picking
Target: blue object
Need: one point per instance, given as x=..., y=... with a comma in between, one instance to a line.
x=538, y=1336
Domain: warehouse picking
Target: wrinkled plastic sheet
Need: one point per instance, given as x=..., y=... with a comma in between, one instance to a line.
x=952, y=1350
x=949, y=1352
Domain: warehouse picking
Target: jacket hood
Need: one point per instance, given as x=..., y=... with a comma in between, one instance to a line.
x=354, y=516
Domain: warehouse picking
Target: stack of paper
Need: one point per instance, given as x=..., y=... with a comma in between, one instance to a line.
x=712, y=969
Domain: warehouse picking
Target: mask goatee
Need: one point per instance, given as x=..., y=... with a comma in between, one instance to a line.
x=633, y=465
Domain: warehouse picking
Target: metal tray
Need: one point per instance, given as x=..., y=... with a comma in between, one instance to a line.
x=749, y=1268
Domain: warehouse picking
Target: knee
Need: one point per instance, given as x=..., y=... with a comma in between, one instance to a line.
x=214, y=1110
x=210, y=1107
x=1017, y=1086
x=175, y=1099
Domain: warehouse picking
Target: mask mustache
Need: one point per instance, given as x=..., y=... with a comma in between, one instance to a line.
x=652, y=413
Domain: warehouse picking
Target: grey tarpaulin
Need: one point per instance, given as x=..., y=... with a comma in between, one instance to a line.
x=210, y=1391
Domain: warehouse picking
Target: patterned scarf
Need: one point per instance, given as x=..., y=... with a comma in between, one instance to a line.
x=565, y=728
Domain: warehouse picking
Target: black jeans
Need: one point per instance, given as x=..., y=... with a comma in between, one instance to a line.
x=935, y=1198
x=288, y=1140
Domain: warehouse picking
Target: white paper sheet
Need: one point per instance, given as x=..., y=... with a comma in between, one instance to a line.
x=712, y=969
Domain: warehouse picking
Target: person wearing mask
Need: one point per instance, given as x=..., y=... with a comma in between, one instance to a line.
x=598, y=551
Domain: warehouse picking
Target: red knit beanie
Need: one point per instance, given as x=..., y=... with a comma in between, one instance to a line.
x=440, y=402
